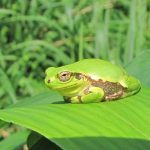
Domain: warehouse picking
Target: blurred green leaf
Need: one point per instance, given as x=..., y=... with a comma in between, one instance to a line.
x=140, y=67
x=14, y=141
x=2, y=123
x=7, y=86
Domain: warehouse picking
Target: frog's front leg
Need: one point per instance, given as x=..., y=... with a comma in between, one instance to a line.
x=91, y=94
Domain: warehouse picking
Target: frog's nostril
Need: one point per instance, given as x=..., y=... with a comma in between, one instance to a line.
x=48, y=81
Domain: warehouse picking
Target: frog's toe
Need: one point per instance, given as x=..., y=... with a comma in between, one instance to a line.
x=76, y=100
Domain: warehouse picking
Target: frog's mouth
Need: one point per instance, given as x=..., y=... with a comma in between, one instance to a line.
x=66, y=87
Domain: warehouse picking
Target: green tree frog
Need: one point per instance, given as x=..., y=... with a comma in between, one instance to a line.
x=91, y=80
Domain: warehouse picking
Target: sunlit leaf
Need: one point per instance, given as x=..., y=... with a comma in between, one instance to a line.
x=83, y=126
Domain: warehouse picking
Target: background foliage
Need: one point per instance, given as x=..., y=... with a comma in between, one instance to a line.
x=36, y=34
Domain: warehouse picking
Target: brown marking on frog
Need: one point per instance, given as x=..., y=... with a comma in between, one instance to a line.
x=86, y=91
x=112, y=90
x=79, y=99
x=78, y=76
x=114, y=96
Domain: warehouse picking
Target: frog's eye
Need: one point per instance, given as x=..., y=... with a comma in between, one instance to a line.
x=64, y=76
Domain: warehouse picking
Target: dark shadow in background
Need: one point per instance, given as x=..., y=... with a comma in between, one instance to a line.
x=91, y=143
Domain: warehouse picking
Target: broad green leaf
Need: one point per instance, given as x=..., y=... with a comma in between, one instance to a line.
x=14, y=140
x=109, y=125
x=140, y=67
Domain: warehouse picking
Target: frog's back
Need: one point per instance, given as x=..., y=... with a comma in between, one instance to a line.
x=99, y=69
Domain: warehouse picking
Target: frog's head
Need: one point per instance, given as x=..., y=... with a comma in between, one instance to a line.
x=65, y=81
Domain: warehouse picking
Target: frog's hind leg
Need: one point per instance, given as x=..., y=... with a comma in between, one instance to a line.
x=93, y=95
x=90, y=95
x=133, y=86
